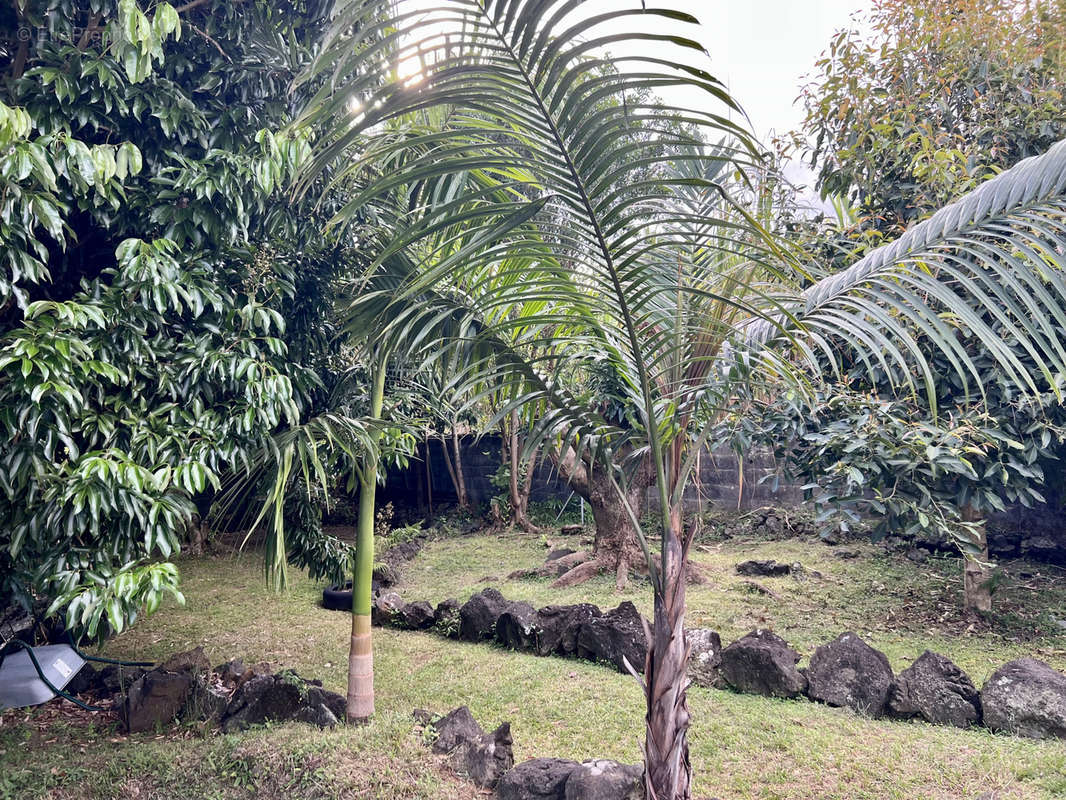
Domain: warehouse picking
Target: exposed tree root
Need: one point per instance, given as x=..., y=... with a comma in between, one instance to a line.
x=550, y=569
x=576, y=568
x=581, y=573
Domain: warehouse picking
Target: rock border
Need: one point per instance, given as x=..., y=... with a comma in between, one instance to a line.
x=232, y=696
x=1025, y=697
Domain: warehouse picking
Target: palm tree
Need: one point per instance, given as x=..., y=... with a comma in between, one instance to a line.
x=632, y=273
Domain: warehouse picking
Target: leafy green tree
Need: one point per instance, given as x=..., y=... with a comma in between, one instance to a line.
x=933, y=98
x=636, y=277
x=152, y=285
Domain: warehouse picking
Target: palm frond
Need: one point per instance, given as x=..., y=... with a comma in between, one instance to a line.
x=985, y=270
x=583, y=181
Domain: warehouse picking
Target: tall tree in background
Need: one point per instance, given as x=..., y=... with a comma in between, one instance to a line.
x=932, y=99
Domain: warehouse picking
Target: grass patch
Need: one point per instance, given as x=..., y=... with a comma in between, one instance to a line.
x=742, y=746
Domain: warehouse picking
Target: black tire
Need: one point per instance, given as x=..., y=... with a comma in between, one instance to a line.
x=337, y=597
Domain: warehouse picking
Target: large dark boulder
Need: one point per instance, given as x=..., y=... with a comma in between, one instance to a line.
x=539, y=779
x=704, y=657
x=762, y=663
x=848, y=672
x=156, y=699
x=417, y=616
x=478, y=615
x=936, y=690
x=481, y=757
x=486, y=759
x=1026, y=697
x=557, y=627
x=605, y=780
x=454, y=728
x=515, y=627
x=280, y=698
x=617, y=635
x=261, y=699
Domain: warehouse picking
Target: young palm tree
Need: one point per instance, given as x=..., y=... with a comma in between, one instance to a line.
x=633, y=269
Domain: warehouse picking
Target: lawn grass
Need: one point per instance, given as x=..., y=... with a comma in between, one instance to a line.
x=742, y=746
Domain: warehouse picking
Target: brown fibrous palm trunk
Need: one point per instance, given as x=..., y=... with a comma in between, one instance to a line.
x=668, y=773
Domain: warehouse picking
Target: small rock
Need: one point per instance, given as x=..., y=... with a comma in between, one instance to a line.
x=539, y=779
x=116, y=679
x=936, y=690
x=84, y=681
x=337, y=704
x=1026, y=697
x=422, y=717
x=704, y=657
x=848, y=672
x=318, y=715
x=387, y=608
x=917, y=556
x=230, y=672
x=762, y=663
x=762, y=569
x=385, y=575
x=605, y=780
x=758, y=588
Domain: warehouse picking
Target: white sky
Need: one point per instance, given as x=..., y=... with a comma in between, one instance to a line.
x=761, y=50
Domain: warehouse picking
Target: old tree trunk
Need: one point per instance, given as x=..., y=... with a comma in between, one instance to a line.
x=615, y=547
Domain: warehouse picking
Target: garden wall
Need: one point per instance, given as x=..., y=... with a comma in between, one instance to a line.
x=722, y=481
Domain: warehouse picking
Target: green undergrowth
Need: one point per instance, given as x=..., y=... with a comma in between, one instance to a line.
x=742, y=746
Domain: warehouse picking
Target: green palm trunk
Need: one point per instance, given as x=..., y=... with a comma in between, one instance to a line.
x=361, y=655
